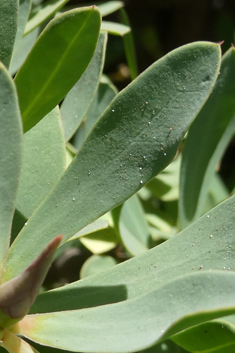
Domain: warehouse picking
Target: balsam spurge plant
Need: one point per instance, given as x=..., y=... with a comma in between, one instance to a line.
x=85, y=166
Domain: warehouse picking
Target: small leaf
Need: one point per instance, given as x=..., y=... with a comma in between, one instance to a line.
x=42, y=82
x=129, y=46
x=109, y=7
x=133, y=227
x=96, y=264
x=115, y=28
x=42, y=13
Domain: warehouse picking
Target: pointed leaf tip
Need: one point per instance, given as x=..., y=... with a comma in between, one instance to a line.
x=18, y=294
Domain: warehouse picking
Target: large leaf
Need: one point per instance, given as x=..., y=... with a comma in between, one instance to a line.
x=215, y=126
x=10, y=157
x=57, y=60
x=78, y=100
x=141, y=128
x=43, y=162
x=197, y=248
x=137, y=323
x=8, y=29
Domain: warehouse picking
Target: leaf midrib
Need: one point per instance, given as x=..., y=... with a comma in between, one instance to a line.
x=57, y=67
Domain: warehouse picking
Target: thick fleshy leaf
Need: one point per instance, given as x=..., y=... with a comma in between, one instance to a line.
x=215, y=126
x=43, y=80
x=206, y=245
x=211, y=337
x=10, y=158
x=137, y=323
x=8, y=28
x=14, y=344
x=43, y=162
x=109, y=7
x=24, y=9
x=133, y=228
x=141, y=128
x=42, y=13
x=115, y=28
x=78, y=100
x=18, y=294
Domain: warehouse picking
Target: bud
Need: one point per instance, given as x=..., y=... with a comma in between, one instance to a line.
x=18, y=295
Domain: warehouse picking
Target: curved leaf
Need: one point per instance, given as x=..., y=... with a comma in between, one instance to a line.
x=137, y=323
x=134, y=139
x=215, y=126
x=69, y=42
x=10, y=158
x=208, y=244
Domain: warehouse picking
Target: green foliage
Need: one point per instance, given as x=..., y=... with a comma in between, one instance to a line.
x=106, y=171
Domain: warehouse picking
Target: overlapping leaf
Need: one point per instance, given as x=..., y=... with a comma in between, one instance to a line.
x=135, y=138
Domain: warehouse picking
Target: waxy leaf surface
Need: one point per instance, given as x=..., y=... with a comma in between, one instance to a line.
x=137, y=323
x=136, y=137
x=207, y=244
